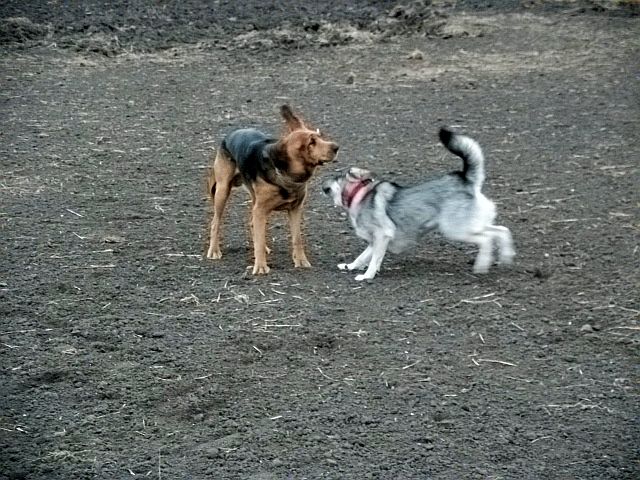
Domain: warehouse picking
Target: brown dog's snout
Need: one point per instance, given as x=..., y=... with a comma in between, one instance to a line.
x=334, y=151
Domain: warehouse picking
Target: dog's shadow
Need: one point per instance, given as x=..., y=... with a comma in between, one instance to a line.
x=447, y=260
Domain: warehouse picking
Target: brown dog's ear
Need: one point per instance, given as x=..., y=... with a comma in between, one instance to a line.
x=292, y=122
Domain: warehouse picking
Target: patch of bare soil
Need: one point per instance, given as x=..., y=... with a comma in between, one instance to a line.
x=126, y=354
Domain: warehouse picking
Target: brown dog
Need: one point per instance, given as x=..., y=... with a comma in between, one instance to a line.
x=275, y=171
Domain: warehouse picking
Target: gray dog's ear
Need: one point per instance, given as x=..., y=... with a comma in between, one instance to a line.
x=355, y=174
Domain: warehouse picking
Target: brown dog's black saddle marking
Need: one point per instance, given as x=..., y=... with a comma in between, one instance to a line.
x=252, y=150
x=256, y=155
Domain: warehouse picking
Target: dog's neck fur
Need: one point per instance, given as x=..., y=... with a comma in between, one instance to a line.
x=282, y=177
x=354, y=192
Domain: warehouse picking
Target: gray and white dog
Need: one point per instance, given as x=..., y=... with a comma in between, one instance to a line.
x=392, y=217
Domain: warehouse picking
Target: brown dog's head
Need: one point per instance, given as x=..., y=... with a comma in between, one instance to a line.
x=304, y=148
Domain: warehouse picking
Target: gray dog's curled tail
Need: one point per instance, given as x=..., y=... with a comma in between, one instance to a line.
x=469, y=151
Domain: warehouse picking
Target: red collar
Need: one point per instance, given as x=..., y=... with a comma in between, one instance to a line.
x=354, y=192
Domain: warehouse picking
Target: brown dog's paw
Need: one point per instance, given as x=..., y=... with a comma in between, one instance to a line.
x=260, y=269
x=300, y=259
x=302, y=263
x=214, y=254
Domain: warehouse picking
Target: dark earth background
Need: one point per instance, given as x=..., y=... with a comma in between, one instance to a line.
x=126, y=354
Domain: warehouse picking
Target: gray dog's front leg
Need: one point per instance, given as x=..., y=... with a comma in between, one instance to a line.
x=378, y=249
x=360, y=262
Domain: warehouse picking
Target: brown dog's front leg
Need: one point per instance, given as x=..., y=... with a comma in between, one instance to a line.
x=297, y=244
x=259, y=223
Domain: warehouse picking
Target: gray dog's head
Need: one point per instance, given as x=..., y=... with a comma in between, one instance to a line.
x=336, y=185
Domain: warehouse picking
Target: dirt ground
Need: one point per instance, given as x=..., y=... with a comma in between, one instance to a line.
x=125, y=353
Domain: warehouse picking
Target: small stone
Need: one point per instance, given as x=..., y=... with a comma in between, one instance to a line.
x=113, y=239
x=586, y=328
x=416, y=55
x=213, y=452
x=351, y=78
x=199, y=417
x=542, y=272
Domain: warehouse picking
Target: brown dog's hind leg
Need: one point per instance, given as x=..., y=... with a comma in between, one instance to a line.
x=259, y=228
x=221, y=180
x=297, y=244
